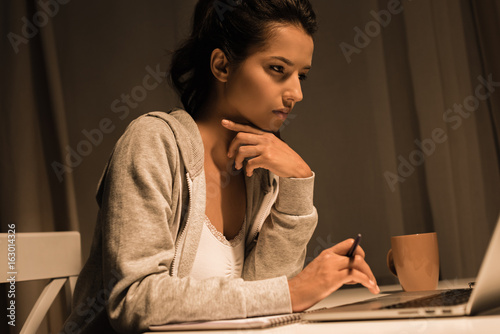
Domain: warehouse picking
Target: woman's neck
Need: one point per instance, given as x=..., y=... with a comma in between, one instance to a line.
x=216, y=139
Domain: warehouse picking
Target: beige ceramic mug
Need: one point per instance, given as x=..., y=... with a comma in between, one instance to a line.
x=414, y=259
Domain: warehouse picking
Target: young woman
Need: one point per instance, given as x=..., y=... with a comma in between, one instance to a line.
x=204, y=212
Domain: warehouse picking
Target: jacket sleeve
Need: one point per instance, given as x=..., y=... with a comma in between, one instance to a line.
x=137, y=207
x=281, y=246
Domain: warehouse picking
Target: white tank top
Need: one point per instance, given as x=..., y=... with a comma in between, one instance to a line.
x=218, y=257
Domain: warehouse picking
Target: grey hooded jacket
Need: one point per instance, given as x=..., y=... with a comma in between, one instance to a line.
x=151, y=200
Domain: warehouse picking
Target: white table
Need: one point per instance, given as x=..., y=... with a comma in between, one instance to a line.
x=482, y=324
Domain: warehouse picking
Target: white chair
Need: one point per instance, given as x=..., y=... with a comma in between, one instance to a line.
x=45, y=255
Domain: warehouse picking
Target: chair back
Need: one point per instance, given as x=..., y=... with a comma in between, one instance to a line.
x=37, y=256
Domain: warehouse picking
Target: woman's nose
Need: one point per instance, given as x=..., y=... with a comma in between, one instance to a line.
x=294, y=91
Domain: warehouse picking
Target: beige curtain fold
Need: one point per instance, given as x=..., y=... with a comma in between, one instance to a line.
x=64, y=183
x=34, y=131
x=486, y=20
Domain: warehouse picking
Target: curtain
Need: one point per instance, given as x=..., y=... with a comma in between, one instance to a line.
x=33, y=132
x=463, y=181
x=393, y=122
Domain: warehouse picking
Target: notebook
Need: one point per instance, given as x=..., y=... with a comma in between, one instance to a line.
x=484, y=296
x=248, y=323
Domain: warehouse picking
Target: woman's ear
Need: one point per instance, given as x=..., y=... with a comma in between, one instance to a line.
x=219, y=65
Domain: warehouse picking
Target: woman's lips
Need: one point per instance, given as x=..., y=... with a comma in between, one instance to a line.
x=282, y=113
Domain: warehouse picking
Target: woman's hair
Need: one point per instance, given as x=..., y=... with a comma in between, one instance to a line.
x=238, y=28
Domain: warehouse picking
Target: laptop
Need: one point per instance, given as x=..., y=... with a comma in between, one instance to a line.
x=483, y=296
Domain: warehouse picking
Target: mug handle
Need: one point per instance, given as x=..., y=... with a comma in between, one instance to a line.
x=390, y=263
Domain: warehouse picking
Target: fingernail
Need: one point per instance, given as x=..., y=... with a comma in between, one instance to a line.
x=225, y=122
x=371, y=282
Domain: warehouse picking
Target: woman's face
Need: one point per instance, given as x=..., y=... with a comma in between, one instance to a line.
x=264, y=89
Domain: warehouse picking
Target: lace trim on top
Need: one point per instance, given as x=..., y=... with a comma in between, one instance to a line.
x=233, y=242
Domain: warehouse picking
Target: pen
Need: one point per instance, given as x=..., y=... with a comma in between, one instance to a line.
x=351, y=251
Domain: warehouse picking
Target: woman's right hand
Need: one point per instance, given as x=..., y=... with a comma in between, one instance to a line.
x=327, y=273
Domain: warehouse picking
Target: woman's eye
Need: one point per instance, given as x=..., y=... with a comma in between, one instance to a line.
x=277, y=68
x=281, y=70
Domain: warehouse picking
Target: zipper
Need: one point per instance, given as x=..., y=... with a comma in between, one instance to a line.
x=173, y=271
x=263, y=215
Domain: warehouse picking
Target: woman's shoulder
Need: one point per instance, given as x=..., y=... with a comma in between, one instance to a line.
x=147, y=147
x=150, y=123
x=165, y=132
x=156, y=125
x=145, y=132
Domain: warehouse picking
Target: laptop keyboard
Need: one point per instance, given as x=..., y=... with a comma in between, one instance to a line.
x=446, y=298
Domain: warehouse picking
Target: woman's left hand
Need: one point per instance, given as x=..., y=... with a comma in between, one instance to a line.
x=264, y=150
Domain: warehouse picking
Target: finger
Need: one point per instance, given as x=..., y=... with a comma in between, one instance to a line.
x=253, y=164
x=356, y=276
x=233, y=126
x=360, y=251
x=245, y=152
x=342, y=248
x=241, y=139
x=358, y=263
